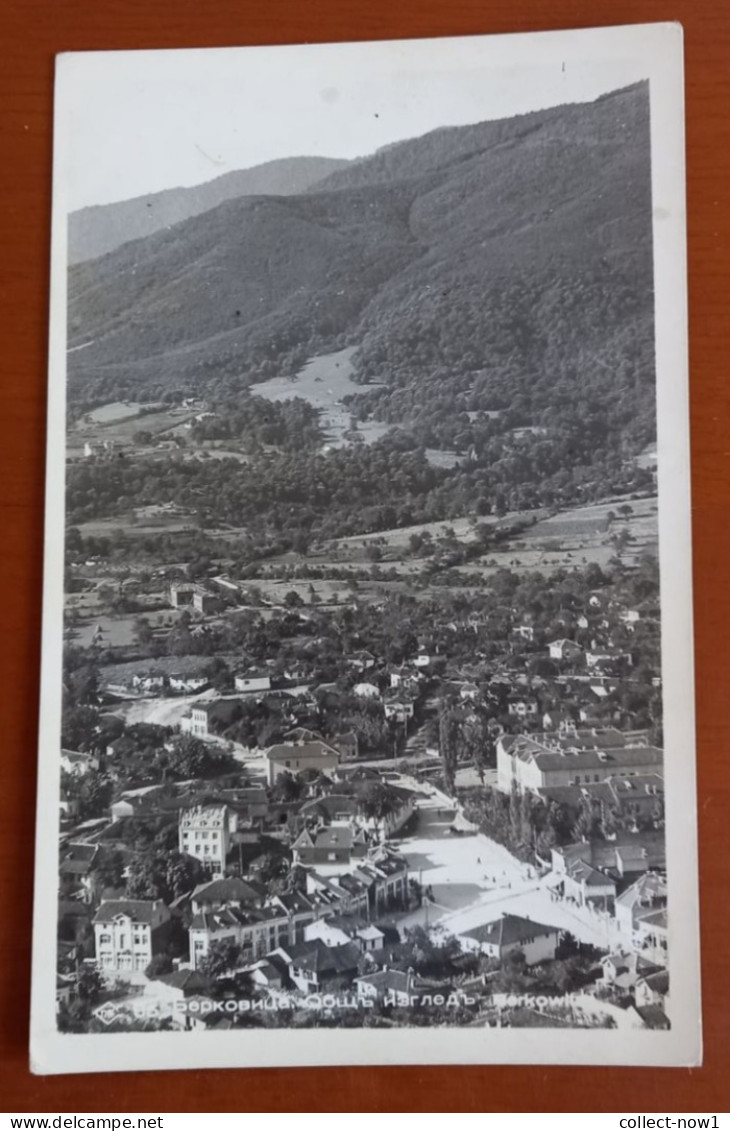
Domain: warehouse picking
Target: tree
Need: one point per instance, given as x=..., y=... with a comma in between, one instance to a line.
x=109, y=871
x=89, y=985
x=93, y=793
x=146, y=878
x=376, y=800
x=292, y=600
x=143, y=633
x=188, y=758
x=163, y=876
x=287, y=787
x=224, y=957
x=160, y=964
x=447, y=746
x=182, y=874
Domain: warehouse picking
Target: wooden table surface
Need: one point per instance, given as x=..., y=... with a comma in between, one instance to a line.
x=31, y=32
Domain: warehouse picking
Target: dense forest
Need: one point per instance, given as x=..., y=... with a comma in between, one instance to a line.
x=301, y=495
x=502, y=266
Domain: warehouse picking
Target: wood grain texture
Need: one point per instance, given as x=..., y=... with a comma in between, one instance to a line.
x=31, y=32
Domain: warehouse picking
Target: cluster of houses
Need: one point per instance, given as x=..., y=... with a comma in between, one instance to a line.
x=349, y=875
x=326, y=916
x=328, y=912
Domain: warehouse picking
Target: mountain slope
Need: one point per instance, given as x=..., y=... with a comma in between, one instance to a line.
x=505, y=262
x=96, y=231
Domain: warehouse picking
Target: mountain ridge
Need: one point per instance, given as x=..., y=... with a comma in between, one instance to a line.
x=514, y=254
x=100, y=229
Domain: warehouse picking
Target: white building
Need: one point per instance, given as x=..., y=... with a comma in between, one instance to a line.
x=511, y=933
x=128, y=933
x=298, y=757
x=253, y=681
x=564, y=649
x=256, y=931
x=204, y=833
x=538, y=761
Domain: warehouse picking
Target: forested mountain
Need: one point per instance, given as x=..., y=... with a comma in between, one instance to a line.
x=95, y=231
x=507, y=264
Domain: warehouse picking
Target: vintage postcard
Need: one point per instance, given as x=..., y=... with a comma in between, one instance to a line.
x=367, y=729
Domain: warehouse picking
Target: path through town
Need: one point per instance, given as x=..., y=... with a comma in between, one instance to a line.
x=471, y=880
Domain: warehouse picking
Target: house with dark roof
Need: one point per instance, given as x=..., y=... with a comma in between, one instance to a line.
x=382, y=985
x=653, y=989
x=212, y=718
x=586, y=886
x=348, y=807
x=228, y=891
x=502, y=937
x=255, y=930
x=344, y=894
x=399, y=988
x=385, y=876
x=269, y=973
x=629, y=856
x=75, y=872
x=312, y=966
x=348, y=745
x=646, y=895
x=623, y=970
x=299, y=757
x=331, y=848
x=336, y=930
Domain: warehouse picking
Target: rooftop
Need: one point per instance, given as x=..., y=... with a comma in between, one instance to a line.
x=138, y=910
x=203, y=817
x=508, y=930
x=284, y=751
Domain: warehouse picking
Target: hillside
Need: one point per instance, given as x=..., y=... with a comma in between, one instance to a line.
x=506, y=264
x=96, y=231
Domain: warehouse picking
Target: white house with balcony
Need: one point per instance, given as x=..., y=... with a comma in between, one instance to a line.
x=128, y=933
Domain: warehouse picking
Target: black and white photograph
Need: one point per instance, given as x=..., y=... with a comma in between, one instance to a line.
x=367, y=726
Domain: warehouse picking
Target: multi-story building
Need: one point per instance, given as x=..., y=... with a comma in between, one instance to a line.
x=538, y=761
x=256, y=931
x=296, y=757
x=209, y=719
x=204, y=832
x=128, y=933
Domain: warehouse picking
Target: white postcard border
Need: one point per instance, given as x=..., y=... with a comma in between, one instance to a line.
x=659, y=46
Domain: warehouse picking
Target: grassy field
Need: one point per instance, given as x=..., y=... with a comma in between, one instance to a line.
x=116, y=412
x=158, y=518
x=324, y=382
x=118, y=423
x=576, y=538
x=118, y=632
x=570, y=540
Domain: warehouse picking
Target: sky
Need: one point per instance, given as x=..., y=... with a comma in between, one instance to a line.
x=131, y=123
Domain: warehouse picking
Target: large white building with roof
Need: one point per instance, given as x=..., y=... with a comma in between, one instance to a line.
x=535, y=762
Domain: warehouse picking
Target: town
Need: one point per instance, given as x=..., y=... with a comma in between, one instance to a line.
x=389, y=809
x=362, y=680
